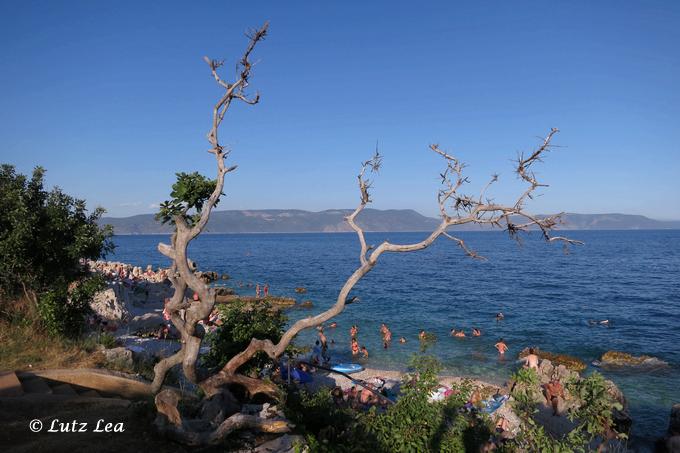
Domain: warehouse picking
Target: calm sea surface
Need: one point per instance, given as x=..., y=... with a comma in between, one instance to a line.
x=631, y=278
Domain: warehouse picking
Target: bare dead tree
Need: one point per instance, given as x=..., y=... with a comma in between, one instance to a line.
x=455, y=208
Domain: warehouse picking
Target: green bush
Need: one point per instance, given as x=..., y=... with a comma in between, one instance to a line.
x=412, y=424
x=240, y=323
x=62, y=312
x=593, y=415
x=43, y=235
x=327, y=427
x=416, y=424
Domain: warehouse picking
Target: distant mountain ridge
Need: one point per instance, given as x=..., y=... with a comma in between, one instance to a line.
x=333, y=220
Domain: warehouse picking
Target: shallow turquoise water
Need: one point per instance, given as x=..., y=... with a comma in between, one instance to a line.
x=629, y=277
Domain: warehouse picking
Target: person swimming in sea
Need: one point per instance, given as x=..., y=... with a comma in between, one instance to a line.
x=422, y=335
x=476, y=332
x=500, y=316
x=364, y=352
x=501, y=346
x=458, y=333
x=355, y=347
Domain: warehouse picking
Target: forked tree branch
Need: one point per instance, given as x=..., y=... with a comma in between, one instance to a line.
x=182, y=274
x=467, y=210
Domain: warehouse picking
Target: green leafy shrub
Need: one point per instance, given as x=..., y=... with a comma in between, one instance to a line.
x=416, y=424
x=412, y=424
x=327, y=426
x=593, y=414
x=62, y=312
x=43, y=235
x=240, y=323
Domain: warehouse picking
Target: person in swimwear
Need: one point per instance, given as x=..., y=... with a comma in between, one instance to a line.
x=531, y=360
x=355, y=347
x=333, y=325
x=322, y=339
x=422, y=335
x=387, y=335
x=501, y=346
x=402, y=340
x=364, y=352
x=353, y=331
x=476, y=332
x=500, y=316
x=553, y=390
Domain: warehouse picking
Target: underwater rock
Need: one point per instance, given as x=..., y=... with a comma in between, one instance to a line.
x=623, y=359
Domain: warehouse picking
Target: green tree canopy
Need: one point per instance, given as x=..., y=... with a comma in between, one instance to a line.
x=188, y=194
x=44, y=234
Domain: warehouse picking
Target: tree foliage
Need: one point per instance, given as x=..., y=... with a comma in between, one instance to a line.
x=44, y=234
x=240, y=323
x=62, y=310
x=189, y=194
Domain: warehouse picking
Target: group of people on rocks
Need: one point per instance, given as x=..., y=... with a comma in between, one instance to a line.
x=128, y=273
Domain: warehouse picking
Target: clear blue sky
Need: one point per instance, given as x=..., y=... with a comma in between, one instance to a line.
x=113, y=98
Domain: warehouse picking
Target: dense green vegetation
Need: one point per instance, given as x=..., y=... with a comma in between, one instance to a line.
x=240, y=323
x=43, y=236
x=62, y=310
x=593, y=416
x=412, y=424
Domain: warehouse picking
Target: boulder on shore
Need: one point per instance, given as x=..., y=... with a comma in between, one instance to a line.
x=107, y=305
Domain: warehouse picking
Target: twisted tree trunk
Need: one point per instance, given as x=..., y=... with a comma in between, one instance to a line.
x=455, y=209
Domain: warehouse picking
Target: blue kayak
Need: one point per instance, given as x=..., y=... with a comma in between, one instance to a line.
x=347, y=368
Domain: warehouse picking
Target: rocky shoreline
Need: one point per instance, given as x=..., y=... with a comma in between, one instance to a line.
x=132, y=304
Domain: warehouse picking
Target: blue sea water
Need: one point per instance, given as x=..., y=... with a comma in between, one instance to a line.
x=631, y=278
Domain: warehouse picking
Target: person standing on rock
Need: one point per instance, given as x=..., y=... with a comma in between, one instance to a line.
x=266, y=290
x=531, y=360
x=553, y=390
x=257, y=290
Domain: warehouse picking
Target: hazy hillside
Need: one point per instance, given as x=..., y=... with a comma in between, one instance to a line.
x=285, y=221
x=332, y=220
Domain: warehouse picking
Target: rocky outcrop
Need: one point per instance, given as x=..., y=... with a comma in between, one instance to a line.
x=623, y=359
x=109, y=305
x=119, y=358
x=671, y=442
x=224, y=291
x=547, y=370
x=569, y=362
